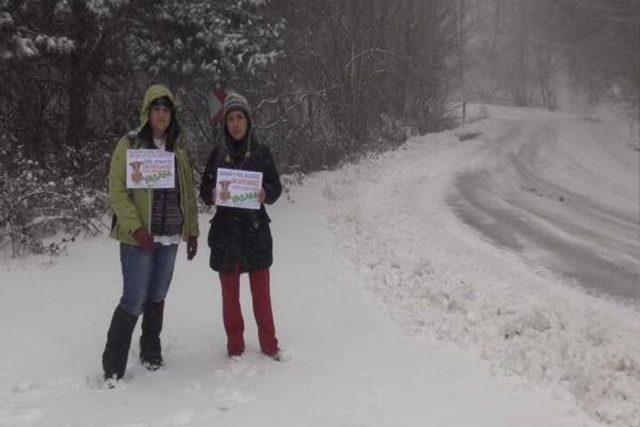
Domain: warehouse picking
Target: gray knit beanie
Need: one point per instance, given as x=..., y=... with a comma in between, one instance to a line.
x=235, y=101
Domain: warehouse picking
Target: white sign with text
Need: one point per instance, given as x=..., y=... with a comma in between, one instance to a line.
x=150, y=169
x=238, y=188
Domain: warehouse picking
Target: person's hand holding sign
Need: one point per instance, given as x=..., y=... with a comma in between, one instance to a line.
x=241, y=189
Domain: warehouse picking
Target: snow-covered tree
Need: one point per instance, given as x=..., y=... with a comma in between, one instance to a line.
x=73, y=73
x=354, y=72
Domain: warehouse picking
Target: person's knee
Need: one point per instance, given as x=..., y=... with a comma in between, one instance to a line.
x=155, y=298
x=133, y=306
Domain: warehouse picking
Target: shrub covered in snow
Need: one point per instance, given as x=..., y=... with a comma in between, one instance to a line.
x=45, y=205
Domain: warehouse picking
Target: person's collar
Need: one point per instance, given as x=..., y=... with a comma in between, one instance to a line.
x=237, y=146
x=160, y=143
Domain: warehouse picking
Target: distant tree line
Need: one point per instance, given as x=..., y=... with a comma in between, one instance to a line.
x=522, y=52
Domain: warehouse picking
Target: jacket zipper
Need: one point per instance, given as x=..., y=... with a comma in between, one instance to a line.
x=185, y=217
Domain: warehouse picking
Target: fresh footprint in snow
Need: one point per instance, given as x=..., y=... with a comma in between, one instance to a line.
x=227, y=398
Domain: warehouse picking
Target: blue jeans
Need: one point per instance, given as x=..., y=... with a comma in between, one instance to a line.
x=146, y=276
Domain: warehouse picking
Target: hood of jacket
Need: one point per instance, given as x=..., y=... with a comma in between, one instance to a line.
x=155, y=92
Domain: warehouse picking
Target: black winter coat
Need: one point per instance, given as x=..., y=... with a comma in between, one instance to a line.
x=241, y=235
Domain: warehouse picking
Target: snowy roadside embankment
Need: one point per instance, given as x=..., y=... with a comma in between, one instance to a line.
x=440, y=278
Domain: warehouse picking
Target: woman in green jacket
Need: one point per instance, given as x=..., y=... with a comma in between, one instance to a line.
x=149, y=225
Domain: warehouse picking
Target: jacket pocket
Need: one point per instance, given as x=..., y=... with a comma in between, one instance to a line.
x=263, y=240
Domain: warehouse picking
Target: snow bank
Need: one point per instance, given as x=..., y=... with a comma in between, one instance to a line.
x=440, y=279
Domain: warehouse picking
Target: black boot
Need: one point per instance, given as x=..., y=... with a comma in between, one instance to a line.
x=116, y=352
x=150, y=348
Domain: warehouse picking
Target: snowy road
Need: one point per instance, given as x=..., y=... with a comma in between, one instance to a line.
x=397, y=218
x=396, y=312
x=351, y=365
x=584, y=225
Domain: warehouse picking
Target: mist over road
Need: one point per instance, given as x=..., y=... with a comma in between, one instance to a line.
x=561, y=190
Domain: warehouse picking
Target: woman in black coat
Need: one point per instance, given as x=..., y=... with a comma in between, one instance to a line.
x=240, y=239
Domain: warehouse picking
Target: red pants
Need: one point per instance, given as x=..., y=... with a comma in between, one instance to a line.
x=232, y=312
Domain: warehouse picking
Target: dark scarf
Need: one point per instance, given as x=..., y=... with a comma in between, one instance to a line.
x=237, y=151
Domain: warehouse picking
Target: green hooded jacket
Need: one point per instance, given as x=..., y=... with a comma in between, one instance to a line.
x=132, y=207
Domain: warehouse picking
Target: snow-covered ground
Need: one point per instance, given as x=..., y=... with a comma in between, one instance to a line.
x=396, y=308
